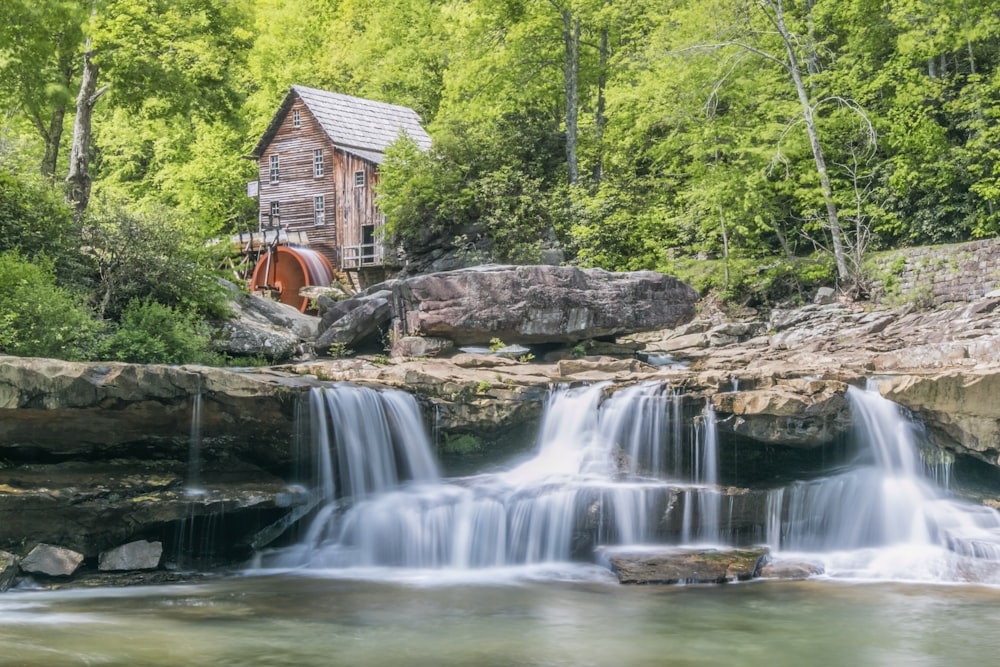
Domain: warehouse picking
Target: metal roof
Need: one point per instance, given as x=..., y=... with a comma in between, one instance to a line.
x=359, y=126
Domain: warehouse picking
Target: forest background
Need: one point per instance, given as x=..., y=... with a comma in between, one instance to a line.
x=752, y=147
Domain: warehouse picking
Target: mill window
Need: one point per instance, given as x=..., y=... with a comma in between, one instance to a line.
x=319, y=209
x=318, y=167
x=274, y=171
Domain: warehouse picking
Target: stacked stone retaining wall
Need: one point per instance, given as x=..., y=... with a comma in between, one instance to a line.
x=935, y=275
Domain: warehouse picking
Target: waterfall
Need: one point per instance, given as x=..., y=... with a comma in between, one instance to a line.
x=622, y=468
x=193, y=485
x=882, y=505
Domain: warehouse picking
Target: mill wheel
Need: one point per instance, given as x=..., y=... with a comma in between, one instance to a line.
x=287, y=269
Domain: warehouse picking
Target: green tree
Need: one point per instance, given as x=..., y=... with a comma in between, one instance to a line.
x=39, y=43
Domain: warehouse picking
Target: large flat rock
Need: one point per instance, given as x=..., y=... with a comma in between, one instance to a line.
x=538, y=304
x=686, y=566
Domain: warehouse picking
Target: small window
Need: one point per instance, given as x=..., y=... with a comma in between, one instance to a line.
x=319, y=209
x=274, y=173
x=296, y=118
x=273, y=219
x=359, y=179
x=318, y=166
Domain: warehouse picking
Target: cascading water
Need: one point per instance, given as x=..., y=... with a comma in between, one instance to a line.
x=193, y=485
x=883, y=516
x=620, y=469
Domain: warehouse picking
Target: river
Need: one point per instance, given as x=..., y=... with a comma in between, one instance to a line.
x=572, y=618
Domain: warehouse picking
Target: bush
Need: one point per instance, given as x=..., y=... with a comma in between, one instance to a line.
x=35, y=221
x=146, y=257
x=37, y=317
x=151, y=333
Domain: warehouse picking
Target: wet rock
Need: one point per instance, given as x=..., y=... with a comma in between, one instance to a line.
x=791, y=569
x=51, y=560
x=959, y=407
x=8, y=569
x=687, y=566
x=138, y=555
x=794, y=412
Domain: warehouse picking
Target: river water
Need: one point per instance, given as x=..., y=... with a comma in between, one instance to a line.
x=401, y=566
x=542, y=618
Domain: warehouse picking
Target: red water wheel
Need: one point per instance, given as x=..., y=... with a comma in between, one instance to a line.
x=287, y=269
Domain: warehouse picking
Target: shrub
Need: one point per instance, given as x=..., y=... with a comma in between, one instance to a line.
x=38, y=318
x=152, y=333
x=146, y=257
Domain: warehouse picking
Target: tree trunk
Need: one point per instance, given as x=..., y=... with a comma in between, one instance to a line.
x=571, y=35
x=78, y=179
x=52, y=137
x=599, y=118
x=778, y=19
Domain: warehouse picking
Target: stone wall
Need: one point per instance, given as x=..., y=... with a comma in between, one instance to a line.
x=934, y=275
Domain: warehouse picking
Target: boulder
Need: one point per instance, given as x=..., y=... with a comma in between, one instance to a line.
x=51, y=560
x=264, y=327
x=686, y=566
x=8, y=569
x=366, y=318
x=421, y=346
x=539, y=304
x=138, y=555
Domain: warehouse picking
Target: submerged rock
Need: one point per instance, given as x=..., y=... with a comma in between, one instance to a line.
x=687, y=566
x=791, y=569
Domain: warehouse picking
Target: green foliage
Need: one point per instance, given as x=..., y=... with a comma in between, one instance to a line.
x=37, y=317
x=496, y=345
x=151, y=333
x=484, y=387
x=35, y=221
x=461, y=444
x=757, y=281
x=150, y=257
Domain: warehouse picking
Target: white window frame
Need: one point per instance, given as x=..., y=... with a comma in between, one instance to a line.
x=274, y=173
x=319, y=210
x=319, y=168
x=276, y=210
x=296, y=118
x=359, y=179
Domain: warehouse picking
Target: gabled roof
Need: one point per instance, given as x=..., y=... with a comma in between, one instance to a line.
x=356, y=125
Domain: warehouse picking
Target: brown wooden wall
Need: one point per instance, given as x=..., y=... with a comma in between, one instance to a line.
x=356, y=205
x=349, y=209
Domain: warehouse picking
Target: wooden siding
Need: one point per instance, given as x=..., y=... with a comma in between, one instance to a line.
x=349, y=209
x=355, y=210
x=297, y=186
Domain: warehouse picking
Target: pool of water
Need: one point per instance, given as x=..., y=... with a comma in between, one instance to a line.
x=524, y=617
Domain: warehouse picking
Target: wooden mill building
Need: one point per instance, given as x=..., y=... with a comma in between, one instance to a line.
x=318, y=163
